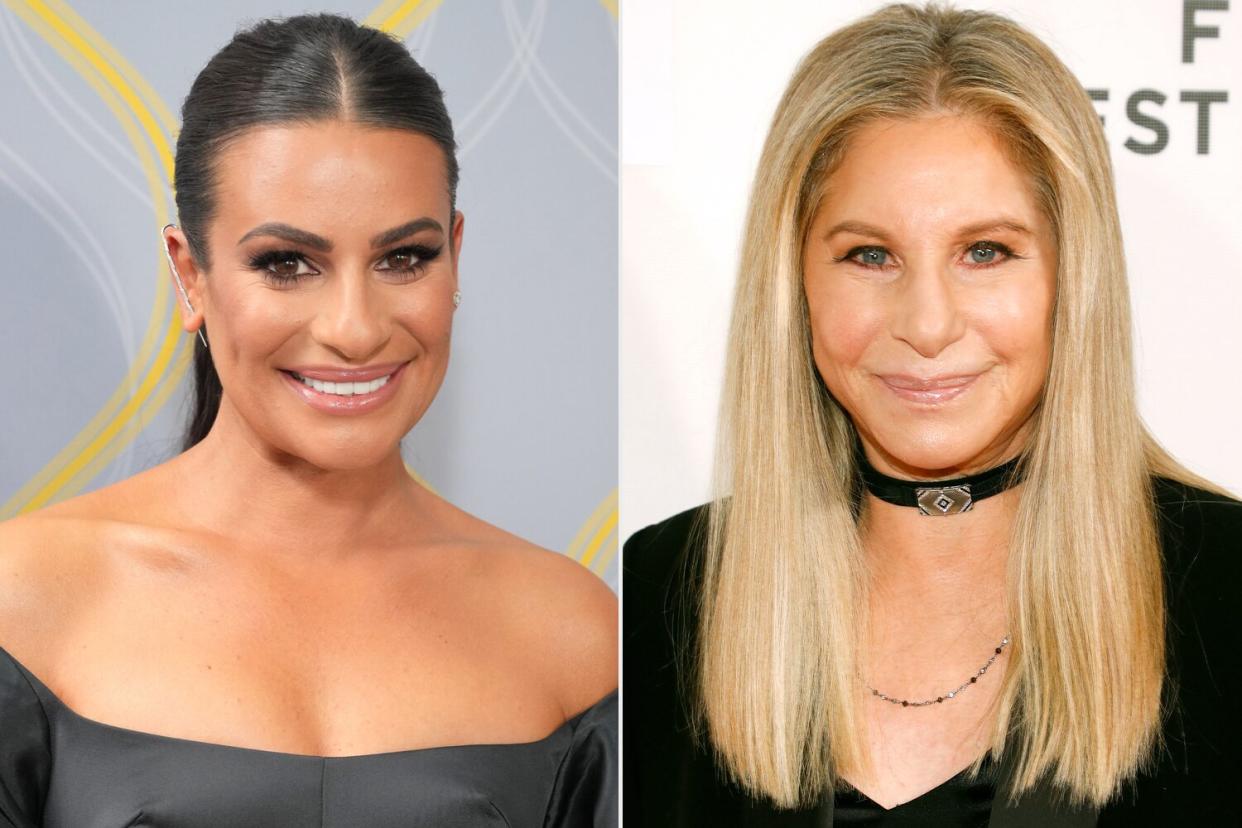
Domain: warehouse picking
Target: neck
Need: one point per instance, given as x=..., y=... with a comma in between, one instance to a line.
x=237, y=486
x=955, y=551
x=938, y=580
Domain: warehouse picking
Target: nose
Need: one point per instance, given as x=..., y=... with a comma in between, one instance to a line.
x=926, y=313
x=352, y=318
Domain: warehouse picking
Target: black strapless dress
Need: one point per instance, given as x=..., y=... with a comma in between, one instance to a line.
x=61, y=770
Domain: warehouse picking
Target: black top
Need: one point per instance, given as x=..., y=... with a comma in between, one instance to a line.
x=62, y=770
x=959, y=802
x=669, y=781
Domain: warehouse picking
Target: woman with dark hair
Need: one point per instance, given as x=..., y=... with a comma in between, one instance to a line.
x=279, y=626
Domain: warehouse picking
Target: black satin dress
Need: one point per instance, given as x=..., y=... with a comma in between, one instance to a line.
x=62, y=770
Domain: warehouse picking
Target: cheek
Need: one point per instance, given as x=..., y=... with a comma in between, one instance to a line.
x=249, y=322
x=426, y=317
x=844, y=325
x=1017, y=326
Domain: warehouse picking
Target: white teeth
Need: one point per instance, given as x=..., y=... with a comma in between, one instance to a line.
x=343, y=389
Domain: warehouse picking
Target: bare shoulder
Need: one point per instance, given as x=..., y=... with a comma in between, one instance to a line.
x=45, y=570
x=561, y=613
x=56, y=560
x=573, y=621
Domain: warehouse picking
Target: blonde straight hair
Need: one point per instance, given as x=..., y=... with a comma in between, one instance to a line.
x=784, y=594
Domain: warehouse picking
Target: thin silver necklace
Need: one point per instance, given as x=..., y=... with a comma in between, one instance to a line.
x=952, y=694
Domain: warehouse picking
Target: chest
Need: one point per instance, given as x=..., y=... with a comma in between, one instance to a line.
x=913, y=749
x=304, y=670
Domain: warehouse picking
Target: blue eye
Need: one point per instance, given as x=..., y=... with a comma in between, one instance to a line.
x=989, y=253
x=867, y=256
x=980, y=254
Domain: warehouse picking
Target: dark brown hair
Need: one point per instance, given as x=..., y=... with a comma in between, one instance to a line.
x=301, y=69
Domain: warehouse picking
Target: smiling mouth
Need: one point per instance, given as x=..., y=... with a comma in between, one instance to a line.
x=342, y=389
x=928, y=391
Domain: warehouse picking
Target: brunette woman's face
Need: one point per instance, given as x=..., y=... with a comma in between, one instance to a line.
x=329, y=302
x=930, y=275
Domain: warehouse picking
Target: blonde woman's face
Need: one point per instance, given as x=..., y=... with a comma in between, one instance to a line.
x=930, y=273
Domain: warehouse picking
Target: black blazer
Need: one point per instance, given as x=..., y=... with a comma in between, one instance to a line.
x=1195, y=781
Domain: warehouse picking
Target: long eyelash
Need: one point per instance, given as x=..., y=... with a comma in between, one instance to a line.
x=854, y=251
x=423, y=254
x=1004, y=249
x=263, y=261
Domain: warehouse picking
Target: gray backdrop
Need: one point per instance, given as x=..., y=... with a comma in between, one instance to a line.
x=523, y=433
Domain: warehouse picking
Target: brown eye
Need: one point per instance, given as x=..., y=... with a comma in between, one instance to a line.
x=410, y=260
x=281, y=267
x=401, y=260
x=285, y=267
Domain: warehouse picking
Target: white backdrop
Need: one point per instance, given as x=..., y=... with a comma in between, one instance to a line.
x=700, y=80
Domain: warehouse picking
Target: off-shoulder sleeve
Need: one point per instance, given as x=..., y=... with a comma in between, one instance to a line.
x=25, y=754
x=585, y=793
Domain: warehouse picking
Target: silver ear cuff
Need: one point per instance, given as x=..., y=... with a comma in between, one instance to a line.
x=177, y=276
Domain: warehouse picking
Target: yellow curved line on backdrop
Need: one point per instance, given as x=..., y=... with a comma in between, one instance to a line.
x=149, y=95
x=12, y=506
x=133, y=427
x=103, y=448
x=601, y=566
x=419, y=11
x=594, y=532
x=419, y=479
x=400, y=18
x=611, y=5
x=381, y=13
x=80, y=44
x=606, y=531
x=117, y=427
x=576, y=546
x=82, y=59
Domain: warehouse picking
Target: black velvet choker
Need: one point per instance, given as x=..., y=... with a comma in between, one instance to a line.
x=941, y=497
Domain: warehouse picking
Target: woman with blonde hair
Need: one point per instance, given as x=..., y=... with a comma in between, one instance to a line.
x=950, y=578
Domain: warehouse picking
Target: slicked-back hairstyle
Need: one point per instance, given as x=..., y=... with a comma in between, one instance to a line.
x=296, y=70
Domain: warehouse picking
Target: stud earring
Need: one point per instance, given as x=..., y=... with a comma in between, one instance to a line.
x=456, y=298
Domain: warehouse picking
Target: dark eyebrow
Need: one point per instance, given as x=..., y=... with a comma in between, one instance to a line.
x=317, y=242
x=859, y=228
x=407, y=229
x=288, y=233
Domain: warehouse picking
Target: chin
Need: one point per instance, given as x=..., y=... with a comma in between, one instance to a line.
x=926, y=452
x=343, y=454
x=346, y=462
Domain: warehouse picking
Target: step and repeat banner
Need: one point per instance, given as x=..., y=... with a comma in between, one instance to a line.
x=700, y=81
x=523, y=432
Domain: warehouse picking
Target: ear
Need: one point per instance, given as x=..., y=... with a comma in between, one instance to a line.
x=455, y=235
x=186, y=276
